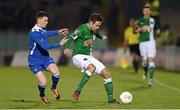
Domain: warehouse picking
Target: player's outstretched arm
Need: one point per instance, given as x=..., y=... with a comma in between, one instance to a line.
x=158, y=32
x=63, y=31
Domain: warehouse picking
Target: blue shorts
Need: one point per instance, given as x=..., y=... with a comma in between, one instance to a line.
x=35, y=67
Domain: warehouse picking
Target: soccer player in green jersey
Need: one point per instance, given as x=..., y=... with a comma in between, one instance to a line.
x=147, y=27
x=82, y=57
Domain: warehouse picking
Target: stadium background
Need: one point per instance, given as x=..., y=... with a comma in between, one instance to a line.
x=17, y=17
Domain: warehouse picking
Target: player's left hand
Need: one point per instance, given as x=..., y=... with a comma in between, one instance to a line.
x=64, y=31
x=105, y=37
x=63, y=41
x=158, y=32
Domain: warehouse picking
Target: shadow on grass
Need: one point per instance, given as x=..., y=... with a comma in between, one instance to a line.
x=134, y=81
x=139, y=88
x=63, y=104
x=33, y=103
x=82, y=104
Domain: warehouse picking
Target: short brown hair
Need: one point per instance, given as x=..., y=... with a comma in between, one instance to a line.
x=40, y=14
x=95, y=17
x=148, y=6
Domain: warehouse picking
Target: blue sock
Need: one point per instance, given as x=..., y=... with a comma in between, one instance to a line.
x=55, y=80
x=41, y=90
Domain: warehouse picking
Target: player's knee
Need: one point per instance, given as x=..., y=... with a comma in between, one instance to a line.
x=151, y=65
x=105, y=73
x=144, y=64
x=91, y=68
x=43, y=83
x=53, y=69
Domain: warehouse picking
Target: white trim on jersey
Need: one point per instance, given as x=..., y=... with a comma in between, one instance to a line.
x=151, y=33
x=34, y=46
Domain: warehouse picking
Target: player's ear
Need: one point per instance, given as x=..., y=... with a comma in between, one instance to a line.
x=90, y=22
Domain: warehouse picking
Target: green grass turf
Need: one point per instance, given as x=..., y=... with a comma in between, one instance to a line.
x=18, y=89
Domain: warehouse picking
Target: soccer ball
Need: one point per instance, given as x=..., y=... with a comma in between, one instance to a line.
x=126, y=97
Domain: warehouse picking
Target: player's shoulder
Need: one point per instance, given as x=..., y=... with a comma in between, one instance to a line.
x=36, y=29
x=152, y=19
x=82, y=27
x=140, y=19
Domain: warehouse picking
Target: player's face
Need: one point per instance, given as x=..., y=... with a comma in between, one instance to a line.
x=147, y=12
x=95, y=26
x=43, y=21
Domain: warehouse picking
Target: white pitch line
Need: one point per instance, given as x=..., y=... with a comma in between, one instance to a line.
x=167, y=86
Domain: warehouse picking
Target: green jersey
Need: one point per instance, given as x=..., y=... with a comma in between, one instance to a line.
x=147, y=36
x=82, y=38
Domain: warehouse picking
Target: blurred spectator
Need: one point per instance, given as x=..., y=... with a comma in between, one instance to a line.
x=131, y=40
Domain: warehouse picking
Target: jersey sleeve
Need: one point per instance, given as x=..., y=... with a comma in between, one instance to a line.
x=73, y=36
x=99, y=35
x=156, y=26
x=51, y=33
x=42, y=43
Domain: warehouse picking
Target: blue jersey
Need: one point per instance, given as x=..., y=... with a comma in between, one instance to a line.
x=38, y=44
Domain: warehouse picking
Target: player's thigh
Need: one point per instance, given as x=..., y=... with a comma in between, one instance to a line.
x=35, y=68
x=105, y=73
x=49, y=64
x=98, y=65
x=143, y=51
x=81, y=61
x=41, y=78
x=152, y=50
x=53, y=68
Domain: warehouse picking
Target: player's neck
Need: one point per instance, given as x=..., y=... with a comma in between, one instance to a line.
x=88, y=25
x=38, y=25
x=146, y=16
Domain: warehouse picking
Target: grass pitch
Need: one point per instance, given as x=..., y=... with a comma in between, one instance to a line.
x=18, y=90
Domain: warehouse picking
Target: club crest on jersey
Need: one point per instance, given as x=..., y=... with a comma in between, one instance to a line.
x=88, y=42
x=151, y=22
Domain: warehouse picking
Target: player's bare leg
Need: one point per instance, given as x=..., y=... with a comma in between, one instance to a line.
x=135, y=62
x=41, y=86
x=55, y=79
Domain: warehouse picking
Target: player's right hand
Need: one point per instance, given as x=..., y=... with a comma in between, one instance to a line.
x=63, y=41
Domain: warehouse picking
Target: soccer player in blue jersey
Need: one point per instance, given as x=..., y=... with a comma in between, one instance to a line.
x=39, y=58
